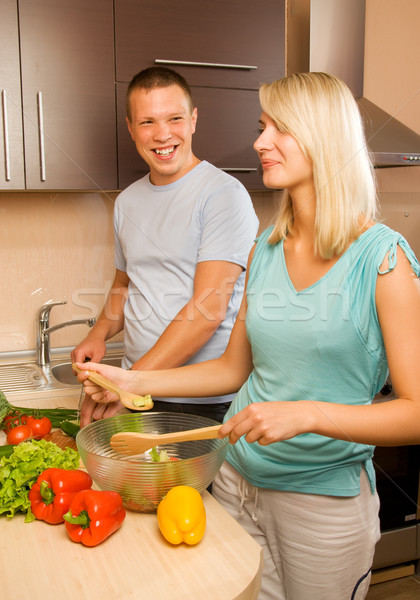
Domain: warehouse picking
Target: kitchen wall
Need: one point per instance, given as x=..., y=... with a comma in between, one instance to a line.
x=391, y=68
x=59, y=246
x=392, y=81
x=54, y=246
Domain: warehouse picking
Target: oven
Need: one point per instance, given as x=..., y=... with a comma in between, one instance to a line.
x=398, y=480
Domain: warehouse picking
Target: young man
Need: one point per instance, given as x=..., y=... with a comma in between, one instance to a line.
x=182, y=238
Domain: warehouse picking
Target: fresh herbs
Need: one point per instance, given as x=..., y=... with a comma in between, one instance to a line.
x=20, y=470
x=56, y=415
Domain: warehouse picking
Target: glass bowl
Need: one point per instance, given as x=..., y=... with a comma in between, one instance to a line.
x=141, y=482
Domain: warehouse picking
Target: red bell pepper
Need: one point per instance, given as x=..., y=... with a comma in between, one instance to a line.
x=93, y=515
x=53, y=492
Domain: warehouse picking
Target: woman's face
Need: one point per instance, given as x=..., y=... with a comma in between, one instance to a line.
x=283, y=162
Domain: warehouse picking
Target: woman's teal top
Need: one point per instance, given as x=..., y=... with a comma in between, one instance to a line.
x=321, y=343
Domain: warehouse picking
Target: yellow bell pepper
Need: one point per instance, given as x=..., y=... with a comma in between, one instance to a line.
x=181, y=516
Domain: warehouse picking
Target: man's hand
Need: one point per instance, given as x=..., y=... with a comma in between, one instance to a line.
x=94, y=411
x=91, y=348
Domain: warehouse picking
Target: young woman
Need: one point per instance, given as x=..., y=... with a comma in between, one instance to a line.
x=332, y=302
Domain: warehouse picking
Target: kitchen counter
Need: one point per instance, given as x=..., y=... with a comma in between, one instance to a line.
x=38, y=561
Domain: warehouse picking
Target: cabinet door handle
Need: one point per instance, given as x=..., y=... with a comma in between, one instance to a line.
x=188, y=63
x=41, y=136
x=239, y=169
x=6, y=135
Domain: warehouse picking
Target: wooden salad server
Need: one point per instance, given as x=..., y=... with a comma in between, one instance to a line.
x=130, y=442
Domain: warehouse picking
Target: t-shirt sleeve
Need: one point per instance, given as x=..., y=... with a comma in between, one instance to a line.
x=119, y=258
x=229, y=226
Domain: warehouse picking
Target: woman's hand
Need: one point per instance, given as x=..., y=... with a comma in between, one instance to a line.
x=269, y=422
x=121, y=377
x=99, y=403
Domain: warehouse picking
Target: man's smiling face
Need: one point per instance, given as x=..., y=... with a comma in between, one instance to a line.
x=162, y=124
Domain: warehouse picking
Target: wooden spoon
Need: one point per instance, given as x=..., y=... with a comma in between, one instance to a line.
x=131, y=442
x=131, y=401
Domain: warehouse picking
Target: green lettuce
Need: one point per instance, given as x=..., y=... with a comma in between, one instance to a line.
x=157, y=456
x=21, y=469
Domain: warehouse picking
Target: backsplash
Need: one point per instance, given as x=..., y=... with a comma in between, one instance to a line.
x=55, y=246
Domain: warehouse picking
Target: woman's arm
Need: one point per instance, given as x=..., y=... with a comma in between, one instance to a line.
x=210, y=378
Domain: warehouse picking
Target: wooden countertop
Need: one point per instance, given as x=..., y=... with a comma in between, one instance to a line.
x=38, y=561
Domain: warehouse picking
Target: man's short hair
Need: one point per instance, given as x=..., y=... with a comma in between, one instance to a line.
x=156, y=77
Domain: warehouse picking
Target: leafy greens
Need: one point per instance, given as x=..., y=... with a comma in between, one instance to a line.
x=20, y=470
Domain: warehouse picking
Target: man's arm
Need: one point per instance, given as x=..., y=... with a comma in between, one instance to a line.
x=109, y=323
x=197, y=321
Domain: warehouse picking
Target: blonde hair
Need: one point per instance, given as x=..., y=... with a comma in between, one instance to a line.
x=319, y=111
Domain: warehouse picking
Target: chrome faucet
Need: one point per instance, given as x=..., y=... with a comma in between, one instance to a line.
x=44, y=330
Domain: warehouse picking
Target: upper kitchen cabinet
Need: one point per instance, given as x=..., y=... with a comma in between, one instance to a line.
x=11, y=134
x=235, y=44
x=68, y=96
x=225, y=50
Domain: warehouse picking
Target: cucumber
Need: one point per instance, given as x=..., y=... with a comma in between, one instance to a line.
x=69, y=428
x=6, y=451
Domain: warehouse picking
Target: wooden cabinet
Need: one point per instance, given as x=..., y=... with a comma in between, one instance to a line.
x=61, y=128
x=234, y=44
x=11, y=133
x=68, y=98
x=225, y=50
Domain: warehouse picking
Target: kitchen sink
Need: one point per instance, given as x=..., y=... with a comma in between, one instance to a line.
x=28, y=377
x=22, y=377
x=64, y=374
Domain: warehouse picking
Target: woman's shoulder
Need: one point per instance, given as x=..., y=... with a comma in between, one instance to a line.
x=260, y=255
x=263, y=247
x=380, y=242
x=375, y=236
x=262, y=238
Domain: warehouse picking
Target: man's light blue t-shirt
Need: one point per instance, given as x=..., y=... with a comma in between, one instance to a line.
x=161, y=233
